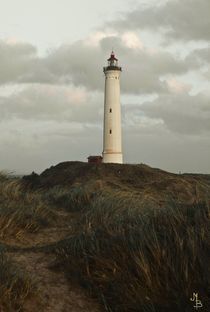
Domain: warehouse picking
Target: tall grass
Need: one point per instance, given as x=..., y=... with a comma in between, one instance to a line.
x=15, y=285
x=21, y=210
x=141, y=258
x=131, y=252
x=77, y=198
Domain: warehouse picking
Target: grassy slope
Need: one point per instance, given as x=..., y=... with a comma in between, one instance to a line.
x=27, y=281
x=150, y=186
x=136, y=237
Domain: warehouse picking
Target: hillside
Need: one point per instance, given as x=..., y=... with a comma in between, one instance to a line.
x=108, y=237
x=148, y=183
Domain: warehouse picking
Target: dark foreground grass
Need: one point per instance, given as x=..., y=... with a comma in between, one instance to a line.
x=21, y=210
x=132, y=252
x=141, y=258
x=15, y=285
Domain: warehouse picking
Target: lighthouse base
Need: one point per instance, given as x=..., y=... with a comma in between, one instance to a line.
x=116, y=158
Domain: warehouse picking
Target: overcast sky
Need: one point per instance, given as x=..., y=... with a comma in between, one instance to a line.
x=51, y=81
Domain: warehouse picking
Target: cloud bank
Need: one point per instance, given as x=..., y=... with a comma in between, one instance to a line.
x=53, y=107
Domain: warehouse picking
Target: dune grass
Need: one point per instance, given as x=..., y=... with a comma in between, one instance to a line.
x=15, y=285
x=131, y=252
x=139, y=258
x=21, y=210
x=74, y=199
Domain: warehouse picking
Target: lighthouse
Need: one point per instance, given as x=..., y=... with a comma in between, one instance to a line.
x=112, y=137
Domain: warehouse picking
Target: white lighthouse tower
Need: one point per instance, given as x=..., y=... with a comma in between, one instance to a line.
x=112, y=144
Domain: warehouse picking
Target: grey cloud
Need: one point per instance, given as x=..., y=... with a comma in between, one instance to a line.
x=40, y=144
x=81, y=64
x=169, y=151
x=180, y=19
x=181, y=113
x=20, y=63
x=15, y=61
x=203, y=54
x=48, y=102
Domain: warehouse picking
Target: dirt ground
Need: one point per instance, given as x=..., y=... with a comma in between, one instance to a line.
x=54, y=292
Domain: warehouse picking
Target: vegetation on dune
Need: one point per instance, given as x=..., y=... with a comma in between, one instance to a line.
x=21, y=210
x=139, y=239
x=74, y=199
x=141, y=259
x=15, y=285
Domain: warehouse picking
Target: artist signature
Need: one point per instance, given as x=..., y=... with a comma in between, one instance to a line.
x=198, y=303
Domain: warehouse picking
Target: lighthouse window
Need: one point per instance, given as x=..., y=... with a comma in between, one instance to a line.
x=110, y=131
x=110, y=110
